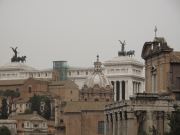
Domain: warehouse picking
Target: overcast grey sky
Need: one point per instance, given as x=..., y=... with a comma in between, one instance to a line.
x=78, y=30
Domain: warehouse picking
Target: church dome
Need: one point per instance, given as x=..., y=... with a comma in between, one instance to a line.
x=97, y=78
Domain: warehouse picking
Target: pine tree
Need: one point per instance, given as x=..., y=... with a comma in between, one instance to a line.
x=4, y=131
x=4, y=109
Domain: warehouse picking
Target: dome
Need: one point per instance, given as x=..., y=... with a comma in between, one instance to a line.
x=123, y=60
x=97, y=77
x=14, y=66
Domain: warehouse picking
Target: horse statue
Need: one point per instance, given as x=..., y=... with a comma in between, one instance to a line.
x=21, y=59
x=131, y=53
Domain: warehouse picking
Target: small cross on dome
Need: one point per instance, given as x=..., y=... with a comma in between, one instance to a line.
x=97, y=57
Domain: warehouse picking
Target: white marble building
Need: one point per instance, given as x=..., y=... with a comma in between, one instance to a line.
x=125, y=73
x=17, y=70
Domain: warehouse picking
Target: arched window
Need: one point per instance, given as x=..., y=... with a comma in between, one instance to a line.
x=29, y=89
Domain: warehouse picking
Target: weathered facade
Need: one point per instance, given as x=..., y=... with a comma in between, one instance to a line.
x=162, y=66
x=29, y=124
x=10, y=124
x=80, y=118
x=66, y=90
x=26, y=87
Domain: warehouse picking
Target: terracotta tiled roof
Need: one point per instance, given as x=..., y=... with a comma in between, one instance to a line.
x=11, y=82
x=84, y=106
x=64, y=84
x=20, y=100
x=175, y=57
x=18, y=82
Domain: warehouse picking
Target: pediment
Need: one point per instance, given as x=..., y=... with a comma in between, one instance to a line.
x=158, y=46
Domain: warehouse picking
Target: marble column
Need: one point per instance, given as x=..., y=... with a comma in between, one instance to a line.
x=114, y=124
x=111, y=124
x=124, y=124
x=166, y=122
x=115, y=91
x=119, y=124
x=126, y=90
x=131, y=124
x=160, y=122
x=106, y=129
x=120, y=90
x=148, y=122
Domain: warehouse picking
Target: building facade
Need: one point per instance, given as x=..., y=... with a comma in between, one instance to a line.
x=162, y=67
x=10, y=124
x=30, y=124
x=142, y=114
x=147, y=113
x=125, y=73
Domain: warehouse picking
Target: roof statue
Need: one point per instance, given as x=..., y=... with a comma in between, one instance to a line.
x=129, y=53
x=123, y=44
x=155, y=31
x=16, y=58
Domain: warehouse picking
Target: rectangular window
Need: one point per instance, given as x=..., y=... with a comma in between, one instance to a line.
x=101, y=127
x=27, y=124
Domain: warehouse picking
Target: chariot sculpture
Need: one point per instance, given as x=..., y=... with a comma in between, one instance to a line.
x=17, y=58
x=129, y=53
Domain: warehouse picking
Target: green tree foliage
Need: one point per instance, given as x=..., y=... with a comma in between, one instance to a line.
x=35, y=103
x=174, y=122
x=4, y=131
x=28, y=111
x=46, y=113
x=42, y=105
x=4, y=109
x=9, y=95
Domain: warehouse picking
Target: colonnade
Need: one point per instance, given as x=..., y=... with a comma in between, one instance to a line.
x=136, y=122
x=119, y=123
x=120, y=90
x=136, y=87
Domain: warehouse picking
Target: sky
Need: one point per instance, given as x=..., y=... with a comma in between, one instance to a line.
x=78, y=30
